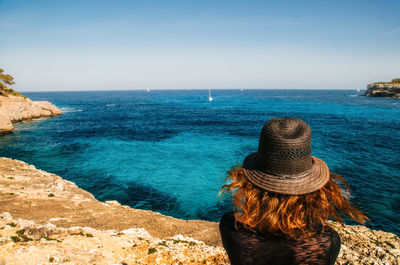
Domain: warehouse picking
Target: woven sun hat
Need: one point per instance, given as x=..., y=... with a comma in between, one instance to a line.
x=283, y=163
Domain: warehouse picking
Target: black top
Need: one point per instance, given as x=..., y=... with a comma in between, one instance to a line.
x=249, y=248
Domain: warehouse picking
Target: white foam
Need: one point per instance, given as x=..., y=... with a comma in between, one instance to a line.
x=70, y=110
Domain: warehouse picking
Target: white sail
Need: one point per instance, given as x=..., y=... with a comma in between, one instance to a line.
x=209, y=95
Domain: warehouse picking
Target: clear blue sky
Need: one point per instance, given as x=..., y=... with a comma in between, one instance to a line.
x=84, y=45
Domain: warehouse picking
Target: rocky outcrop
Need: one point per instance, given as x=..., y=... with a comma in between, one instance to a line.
x=383, y=90
x=45, y=219
x=14, y=109
x=25, y=242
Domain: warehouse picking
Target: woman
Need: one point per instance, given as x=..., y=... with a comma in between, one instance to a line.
x=283, y=197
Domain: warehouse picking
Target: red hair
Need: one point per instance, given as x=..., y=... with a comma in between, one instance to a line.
x=290, y=215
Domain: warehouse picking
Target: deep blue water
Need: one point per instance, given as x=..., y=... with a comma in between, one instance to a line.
x=168, y=151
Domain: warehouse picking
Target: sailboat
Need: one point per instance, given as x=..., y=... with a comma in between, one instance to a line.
x=209, y=95
x=358, y=90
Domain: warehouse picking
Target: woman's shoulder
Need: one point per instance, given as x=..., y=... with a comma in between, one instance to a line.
x=329, y=233
x=228, y=217
x=227, y=222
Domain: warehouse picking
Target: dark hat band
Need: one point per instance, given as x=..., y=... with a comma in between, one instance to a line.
x=288, y=153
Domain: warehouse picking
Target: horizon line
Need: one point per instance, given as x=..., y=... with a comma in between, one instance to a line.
x=185, y=89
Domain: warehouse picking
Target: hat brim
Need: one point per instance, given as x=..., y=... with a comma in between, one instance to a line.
x=306, y=182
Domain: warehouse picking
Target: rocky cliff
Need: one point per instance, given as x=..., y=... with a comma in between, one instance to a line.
x=45, y=219
x=14, y=109
x=383, y=90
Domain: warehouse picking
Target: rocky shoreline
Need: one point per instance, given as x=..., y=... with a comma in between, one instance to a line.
x=383, y=90
x=45, y=219
x=14, y=109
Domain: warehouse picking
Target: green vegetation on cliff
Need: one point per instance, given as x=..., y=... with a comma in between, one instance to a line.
x=395, y=81
x=6, y=79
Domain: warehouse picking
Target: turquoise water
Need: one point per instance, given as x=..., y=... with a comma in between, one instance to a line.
x=168, y=151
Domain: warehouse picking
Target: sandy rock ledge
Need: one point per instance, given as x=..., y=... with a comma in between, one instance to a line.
x=14, y=109
x=45, y=219
x=24, y=242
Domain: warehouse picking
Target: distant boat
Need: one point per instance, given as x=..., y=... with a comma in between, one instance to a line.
x=148, y=90
x=209, y=95
x=358, y=90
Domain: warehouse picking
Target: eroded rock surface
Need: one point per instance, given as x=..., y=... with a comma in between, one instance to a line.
x=45, y=219
x=14, y=109
x=24, y=242
x=383, y=90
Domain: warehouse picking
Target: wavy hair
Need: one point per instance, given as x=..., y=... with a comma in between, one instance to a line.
x=289, y=215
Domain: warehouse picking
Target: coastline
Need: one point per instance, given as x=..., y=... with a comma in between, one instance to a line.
x=387, y=90
x=15, y=109
x=46, y=219
x=55, y=217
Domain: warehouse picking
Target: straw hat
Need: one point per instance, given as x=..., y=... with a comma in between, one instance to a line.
x=283, y=163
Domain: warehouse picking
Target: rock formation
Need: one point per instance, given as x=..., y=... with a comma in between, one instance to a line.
x=391, y=90
x=45, y=219
x=14, y=109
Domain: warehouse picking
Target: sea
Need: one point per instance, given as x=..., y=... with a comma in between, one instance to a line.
x=169, y=150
